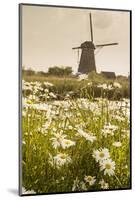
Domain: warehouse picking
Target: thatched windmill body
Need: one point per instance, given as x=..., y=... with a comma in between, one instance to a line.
x=87, y=59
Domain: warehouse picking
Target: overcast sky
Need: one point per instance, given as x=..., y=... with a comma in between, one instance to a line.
x=49, y=33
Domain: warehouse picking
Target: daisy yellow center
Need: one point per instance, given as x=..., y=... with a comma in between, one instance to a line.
x=67, y=142
x=59, y=139
x=101, y=154
x=89, y=178
x=108, y=166
x=63, y=156
x=29, y=102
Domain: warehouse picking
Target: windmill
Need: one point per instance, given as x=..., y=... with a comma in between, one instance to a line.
x=87, y=59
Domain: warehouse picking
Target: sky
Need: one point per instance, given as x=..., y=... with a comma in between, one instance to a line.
x=50, y=33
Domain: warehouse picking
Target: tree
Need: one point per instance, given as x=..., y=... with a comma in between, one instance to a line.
x=60, y=71
x=28, y=72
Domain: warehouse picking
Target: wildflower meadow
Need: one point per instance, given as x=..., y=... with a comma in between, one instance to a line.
x=80, y=142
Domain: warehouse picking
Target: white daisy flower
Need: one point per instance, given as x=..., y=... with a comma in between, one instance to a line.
x=103, y=184
x=108, y=166
x=106, y=132
x=104, y=86
x=90, y=180
x=24, y=191
x=48, y=84
x=87, y=136
x=79, y=186
x=67, y=143
x=109, y=129
x=76, y=184
x=61, y=159
x=83, y=186
x=82, y=77
x=109, y=87
x=117, y=144
x=70, y=127
x=57, y=139
x=119, y=118
x=117, y=85
x=46, y=91
x=52, y=95
x=101, y=154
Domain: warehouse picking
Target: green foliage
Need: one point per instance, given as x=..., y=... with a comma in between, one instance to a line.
x=97, y=78
x=60, y=71
x=28, y=72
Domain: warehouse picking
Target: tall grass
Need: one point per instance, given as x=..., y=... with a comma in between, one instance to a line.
x=65, y=85
x=88, y=125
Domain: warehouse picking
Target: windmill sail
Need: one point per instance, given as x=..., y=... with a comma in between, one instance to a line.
x=91, y=30
x=108, y=44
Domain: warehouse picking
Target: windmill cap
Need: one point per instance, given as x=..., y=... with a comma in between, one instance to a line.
x=88, y=44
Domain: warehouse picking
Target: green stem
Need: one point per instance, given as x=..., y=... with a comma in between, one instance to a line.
x=118, y=180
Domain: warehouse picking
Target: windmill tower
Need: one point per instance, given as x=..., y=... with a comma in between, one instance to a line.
x=87, y=59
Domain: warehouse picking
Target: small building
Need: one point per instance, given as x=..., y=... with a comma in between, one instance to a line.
x=109, y=75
